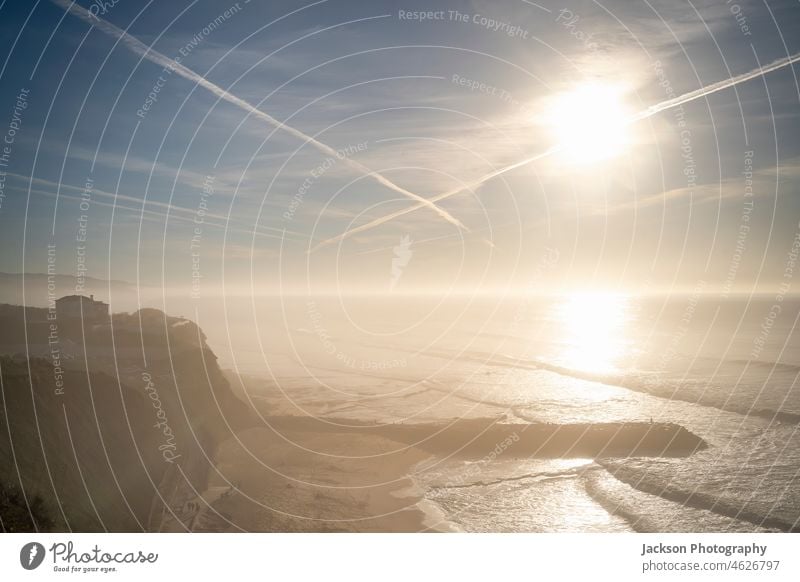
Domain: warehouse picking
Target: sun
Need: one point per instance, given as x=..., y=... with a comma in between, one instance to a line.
x=589, y=123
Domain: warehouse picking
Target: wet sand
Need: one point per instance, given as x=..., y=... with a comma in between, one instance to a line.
x=305, y=481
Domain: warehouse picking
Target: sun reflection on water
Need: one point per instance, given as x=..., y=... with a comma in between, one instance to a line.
x=593, y=330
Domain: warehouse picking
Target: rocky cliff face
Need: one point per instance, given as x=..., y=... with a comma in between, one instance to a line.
x=113, y=423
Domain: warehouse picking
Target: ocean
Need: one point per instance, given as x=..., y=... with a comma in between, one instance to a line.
x=726, y=368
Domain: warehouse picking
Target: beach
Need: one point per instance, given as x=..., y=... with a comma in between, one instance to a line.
x=317, y=482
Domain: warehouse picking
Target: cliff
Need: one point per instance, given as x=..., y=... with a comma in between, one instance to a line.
x=111, y=423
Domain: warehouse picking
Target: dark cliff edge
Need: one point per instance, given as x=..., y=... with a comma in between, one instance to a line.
x=483, y=437
x=109, y=424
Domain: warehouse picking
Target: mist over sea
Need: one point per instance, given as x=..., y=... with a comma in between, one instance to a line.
x=725, y=368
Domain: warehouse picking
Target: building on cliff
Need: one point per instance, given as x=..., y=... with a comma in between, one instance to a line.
x=75, y=306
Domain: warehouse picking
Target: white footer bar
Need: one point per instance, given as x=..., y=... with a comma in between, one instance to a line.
x=354, y=557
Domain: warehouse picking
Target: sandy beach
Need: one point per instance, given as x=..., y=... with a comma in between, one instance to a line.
x=302, y=481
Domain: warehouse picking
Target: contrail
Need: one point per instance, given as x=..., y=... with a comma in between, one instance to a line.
x=718, y=86
x=138, y=47
x=650, y=111
x=442, y=196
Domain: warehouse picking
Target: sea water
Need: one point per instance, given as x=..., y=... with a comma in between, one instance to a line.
x=724, y=368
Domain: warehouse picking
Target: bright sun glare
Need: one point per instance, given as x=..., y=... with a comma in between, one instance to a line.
x=589, y=123
x=593, y=330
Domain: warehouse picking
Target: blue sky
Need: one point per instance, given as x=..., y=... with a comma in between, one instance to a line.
x=393, y=90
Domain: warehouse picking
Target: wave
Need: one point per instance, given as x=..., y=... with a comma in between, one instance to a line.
x=683, y=390
x=646, y=513
x=700, y=500
x=615, y=505
x=540, y=476
x=770, y=364
x=654, y=384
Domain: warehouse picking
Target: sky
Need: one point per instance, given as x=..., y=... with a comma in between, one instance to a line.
x=241, y=169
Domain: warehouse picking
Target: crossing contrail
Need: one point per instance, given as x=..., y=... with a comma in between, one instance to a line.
x=138, y=47
x=718, y=86
x=442, y=196
x=650, y=111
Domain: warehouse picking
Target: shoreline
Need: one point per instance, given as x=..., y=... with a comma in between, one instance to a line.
x=299, y=483
x=303, y=474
